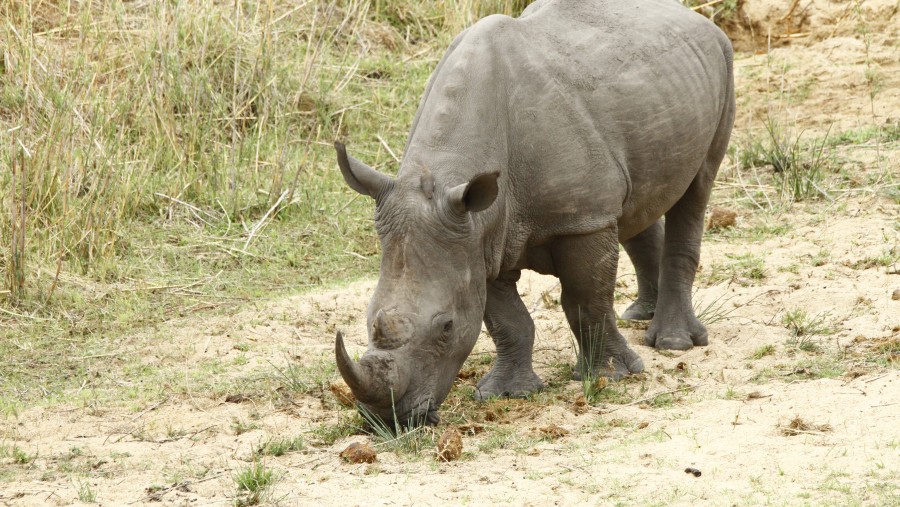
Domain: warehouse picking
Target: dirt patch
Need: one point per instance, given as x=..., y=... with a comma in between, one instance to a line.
x=795, y=400
x=759, y=25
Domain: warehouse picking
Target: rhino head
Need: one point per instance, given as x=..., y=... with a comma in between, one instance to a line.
x=426, y=312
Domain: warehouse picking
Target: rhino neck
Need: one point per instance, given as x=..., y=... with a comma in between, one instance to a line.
x=463, y=117
x=464, y=109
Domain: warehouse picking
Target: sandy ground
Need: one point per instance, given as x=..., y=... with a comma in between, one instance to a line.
x=725, y=409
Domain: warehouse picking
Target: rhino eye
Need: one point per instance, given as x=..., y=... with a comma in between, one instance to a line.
x=448, y=326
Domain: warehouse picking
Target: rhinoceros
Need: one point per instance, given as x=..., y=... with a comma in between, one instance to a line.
x=541, y=143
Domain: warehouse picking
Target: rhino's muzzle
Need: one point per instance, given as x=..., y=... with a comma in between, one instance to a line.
x=426, y=416
x=374, y=380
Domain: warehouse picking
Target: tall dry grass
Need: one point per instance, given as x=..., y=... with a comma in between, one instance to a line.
x=118, y=115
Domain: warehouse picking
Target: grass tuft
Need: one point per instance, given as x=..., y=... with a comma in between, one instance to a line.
x=305, y=379
x=85, y=493
x=799, y=167
x=409, y=439
x=253, y=484
x=765, y=350
x=281, y=446
x=805, y=327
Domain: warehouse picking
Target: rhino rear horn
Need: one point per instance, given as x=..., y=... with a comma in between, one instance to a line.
x=361, y=177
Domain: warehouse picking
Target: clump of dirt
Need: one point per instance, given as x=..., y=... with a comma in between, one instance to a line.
x=359, y=453
x=721, y=218
x=450, y=446
x=756, y=25
x=552, y=432
x=342, y=393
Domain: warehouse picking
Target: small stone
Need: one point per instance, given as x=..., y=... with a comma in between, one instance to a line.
x=721, y=218
x=896, y=295
x=342, y=392
x=359, y=453
x=449, y=446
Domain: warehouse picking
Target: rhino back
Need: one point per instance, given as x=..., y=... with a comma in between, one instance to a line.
x=595, y=112
x=613, y=107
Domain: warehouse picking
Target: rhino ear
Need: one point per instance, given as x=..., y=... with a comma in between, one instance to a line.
x=359, y=176
x=476, y=195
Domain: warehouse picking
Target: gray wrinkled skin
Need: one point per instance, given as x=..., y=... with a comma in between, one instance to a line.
x=541, y=143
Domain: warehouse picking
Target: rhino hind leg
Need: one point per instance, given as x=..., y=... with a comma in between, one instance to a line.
x=675, y=326
x=512, y=330
x=586, y=266
x=645, y=252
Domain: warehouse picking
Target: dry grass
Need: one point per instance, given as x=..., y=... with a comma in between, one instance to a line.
x=799, y=426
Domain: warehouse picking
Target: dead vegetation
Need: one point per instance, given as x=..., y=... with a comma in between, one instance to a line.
x=799, y=426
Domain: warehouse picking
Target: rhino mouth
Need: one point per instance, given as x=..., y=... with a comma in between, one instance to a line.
x=425, y=414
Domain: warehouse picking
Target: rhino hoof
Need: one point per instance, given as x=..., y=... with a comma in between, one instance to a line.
x=493, y=385
x=638, y=311
x=676, y=342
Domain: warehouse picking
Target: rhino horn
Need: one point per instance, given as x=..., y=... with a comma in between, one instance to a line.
x=358, y=377
x=361, y=177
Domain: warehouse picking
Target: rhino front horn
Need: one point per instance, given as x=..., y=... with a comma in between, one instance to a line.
x=354, y=375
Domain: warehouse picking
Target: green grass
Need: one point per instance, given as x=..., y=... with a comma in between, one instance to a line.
x=253, y=484
x=804, y=327
x=799, y=167
x=16, y=455
x=759, y=231
x=330, y=432
x=410, y=439
x=240, y=426
x=305, y=379
x=765, y=350
x=808, y=368
x=85, y=493
x=504, y=437
x=889, y=258
x=281, y=446
x=745, y=269
x=713, y=311
x=887, y=133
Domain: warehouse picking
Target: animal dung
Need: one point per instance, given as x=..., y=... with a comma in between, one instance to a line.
x=342, y=392
x=693, y=471
x=449, y=446
x=553, y=432
x=359, y=453
x=721, y=218
x=580, y=405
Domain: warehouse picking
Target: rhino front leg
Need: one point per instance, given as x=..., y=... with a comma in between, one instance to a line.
x=512, y=330
x=586, y=266
x=645, y=251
